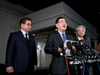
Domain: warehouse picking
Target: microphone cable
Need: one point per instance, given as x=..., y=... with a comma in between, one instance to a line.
x=67, y=64
x=61, y=46
x=83, y=65
x=98, y=65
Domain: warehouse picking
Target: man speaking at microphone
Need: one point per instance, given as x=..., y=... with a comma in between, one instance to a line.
x=80, y=32
x=54, y=46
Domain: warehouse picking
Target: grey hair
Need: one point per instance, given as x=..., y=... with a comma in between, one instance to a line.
x=82, y=27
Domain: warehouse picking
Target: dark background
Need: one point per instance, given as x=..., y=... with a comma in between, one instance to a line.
x=89, y=10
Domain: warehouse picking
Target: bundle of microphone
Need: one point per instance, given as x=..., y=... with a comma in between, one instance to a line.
x=82, y=50
x=81, y=53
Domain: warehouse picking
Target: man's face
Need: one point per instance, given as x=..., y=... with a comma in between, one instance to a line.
x=80, y=32
x=27, y=26
x=61, y=25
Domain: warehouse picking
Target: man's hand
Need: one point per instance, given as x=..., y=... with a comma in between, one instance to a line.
x=9, y=69
x=59, y=49
x=34, y=67
x=74, y=48
x=65, y=47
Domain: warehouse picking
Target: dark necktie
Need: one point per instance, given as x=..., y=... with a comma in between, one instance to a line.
x=64, y=37
x=81, y=40
x=27, y=41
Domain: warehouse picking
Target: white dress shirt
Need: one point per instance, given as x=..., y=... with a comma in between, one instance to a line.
x=62, y=39
x=79, y=38
x=24, y=34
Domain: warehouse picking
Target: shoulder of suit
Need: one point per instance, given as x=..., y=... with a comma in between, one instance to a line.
x=86, y=40
x=12, y=33
x=31, y=35
x=53, y=33
x=68, y=35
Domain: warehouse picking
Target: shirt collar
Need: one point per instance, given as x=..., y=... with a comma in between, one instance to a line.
x=61, y=32
x=23, y=32
x=79, y=38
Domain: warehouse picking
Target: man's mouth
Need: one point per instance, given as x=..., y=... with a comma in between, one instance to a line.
x=63, y=26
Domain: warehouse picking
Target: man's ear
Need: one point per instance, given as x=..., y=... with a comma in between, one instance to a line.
x=56, y=25
x=22, y=24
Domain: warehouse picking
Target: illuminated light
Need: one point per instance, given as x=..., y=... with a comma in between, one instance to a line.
x=33, y=34
x=56, y=29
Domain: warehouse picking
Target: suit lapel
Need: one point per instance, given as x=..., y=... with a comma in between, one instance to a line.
x=22, y=37
x=76, y=39
x=59, y=37
x=30, y=38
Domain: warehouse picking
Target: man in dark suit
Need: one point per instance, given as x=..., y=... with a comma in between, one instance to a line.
x=21, y=55
x=54, y=46
x=80, y=32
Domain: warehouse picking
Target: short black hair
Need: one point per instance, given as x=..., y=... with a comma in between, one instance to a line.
x=23, y=20
x=58, y=19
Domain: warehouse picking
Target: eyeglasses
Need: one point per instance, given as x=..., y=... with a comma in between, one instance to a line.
x=28, y=24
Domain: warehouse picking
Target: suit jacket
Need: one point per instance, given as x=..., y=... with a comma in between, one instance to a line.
x=58, y=64
x=18, y=54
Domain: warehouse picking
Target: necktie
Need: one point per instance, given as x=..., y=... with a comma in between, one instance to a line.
x=27, y=41
x=64, y=37
x=81, y=40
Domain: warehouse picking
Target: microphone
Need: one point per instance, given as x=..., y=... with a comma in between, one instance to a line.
x=83, y=48
x=79, y=47
x=89, y=51
x=61, y=46
x=93, y=52
x=76, y=44
x=69, y=45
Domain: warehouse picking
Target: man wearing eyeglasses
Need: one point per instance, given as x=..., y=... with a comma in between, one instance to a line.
x=21, y=55
x=54, y=47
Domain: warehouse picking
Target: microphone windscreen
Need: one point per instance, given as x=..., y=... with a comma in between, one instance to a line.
x=69, y=45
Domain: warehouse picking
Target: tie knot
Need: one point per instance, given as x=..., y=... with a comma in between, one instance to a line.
x=63, y=34
x=81, y=40
x=26, y=34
